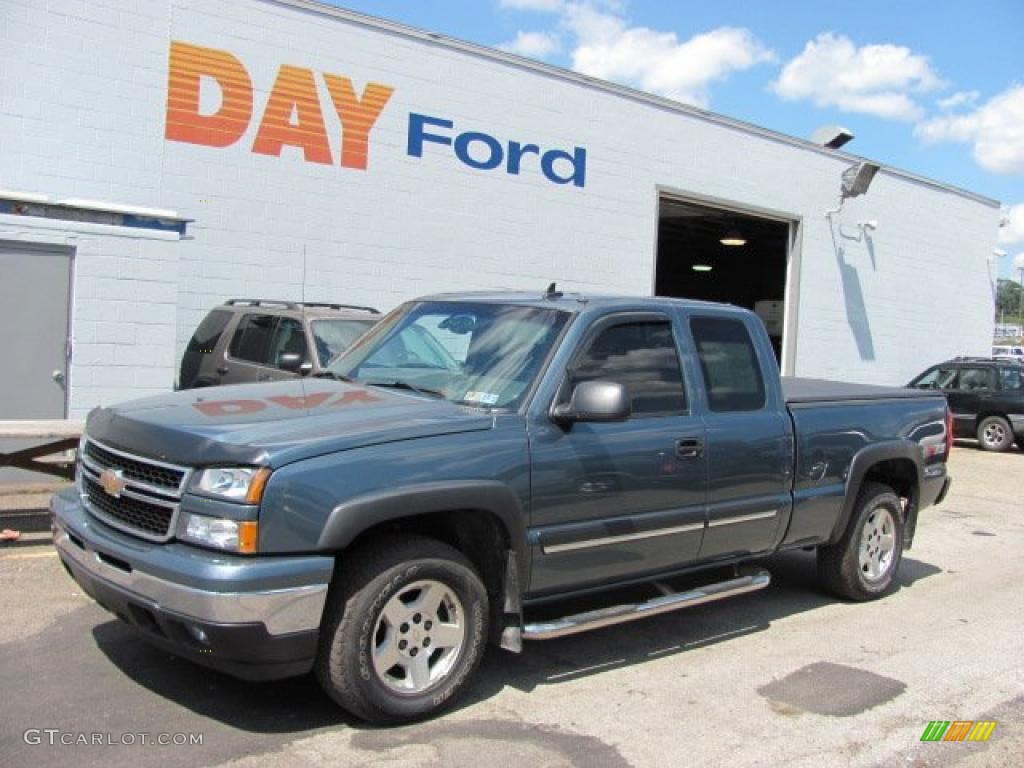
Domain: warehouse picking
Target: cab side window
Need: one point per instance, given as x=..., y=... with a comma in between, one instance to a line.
x=643, y=357
x=251, y=341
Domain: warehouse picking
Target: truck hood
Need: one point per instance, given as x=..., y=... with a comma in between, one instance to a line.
x=274, y=423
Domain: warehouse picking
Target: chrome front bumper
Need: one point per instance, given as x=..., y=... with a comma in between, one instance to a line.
x=256, y=617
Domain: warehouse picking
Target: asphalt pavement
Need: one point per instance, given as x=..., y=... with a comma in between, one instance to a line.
x=788, y=676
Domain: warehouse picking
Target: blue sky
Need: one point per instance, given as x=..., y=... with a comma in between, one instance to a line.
x=936, y=88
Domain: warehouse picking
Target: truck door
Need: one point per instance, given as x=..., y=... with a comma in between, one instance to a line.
x=616, y=500
x=749, y=439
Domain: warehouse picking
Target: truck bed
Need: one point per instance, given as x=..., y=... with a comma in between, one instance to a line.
x=797, y=390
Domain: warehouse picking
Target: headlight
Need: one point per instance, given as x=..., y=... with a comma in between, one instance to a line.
x=243, y=484
x=231, y=535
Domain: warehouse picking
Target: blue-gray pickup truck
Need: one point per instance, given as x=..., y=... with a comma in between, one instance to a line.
x=488, y=468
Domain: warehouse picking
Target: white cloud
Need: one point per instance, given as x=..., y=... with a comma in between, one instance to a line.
x=877, y=80
x=1013, y=232
x=995, y=129
x=959, y=99
x=544, y=6
x=537, y=45
x=606, y=46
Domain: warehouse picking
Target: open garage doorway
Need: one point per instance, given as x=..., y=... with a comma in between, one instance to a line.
x=718, y=254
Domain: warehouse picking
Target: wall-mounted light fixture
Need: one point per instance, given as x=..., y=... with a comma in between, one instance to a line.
x=857, y=178
x=701, y=267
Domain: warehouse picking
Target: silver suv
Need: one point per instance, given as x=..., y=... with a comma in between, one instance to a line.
x=247, y=340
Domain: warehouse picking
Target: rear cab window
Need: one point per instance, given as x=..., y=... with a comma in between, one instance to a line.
x=728, y=362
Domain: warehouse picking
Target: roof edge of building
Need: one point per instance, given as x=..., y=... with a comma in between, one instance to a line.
x=512, y=59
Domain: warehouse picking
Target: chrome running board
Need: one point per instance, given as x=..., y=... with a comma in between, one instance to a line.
x=620, y=614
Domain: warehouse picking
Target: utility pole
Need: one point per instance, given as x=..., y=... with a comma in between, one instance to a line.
x=1020, y=311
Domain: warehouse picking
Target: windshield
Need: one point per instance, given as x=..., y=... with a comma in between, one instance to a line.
x=333, y=337
x=477, y=354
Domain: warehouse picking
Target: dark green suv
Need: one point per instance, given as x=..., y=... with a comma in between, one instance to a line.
x=986, y=396
x=248, y=340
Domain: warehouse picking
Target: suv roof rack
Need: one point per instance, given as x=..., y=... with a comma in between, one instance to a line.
x=982, y=359
x=298, y=304
x=332, y=305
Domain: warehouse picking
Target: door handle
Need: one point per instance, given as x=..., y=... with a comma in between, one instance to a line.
x=58, y=376
x=689, y=448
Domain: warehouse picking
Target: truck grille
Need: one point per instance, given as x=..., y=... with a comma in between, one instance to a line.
x=145, y=495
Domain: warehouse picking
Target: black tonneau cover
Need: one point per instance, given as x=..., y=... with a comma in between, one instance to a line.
x=823, y=391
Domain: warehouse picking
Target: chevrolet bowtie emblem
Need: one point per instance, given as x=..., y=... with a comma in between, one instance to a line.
x=112, y=482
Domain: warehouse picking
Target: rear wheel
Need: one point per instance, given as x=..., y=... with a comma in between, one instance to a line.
x=994, y=434
x=404, y=630
x=863, y=563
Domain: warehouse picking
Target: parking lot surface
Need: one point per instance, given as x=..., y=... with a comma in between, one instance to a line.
x=788, y=676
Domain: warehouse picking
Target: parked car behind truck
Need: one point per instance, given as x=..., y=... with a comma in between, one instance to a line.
x=381, y=524
x=247, y=340
x=986, y=397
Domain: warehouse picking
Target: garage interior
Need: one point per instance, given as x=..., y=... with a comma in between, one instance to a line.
x=714, y=254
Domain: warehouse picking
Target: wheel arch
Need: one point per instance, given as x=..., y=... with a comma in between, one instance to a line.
x=484, y=520
x=896, y=464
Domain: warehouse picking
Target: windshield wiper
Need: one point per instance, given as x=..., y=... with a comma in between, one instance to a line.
x=399, y=384
x=333, y=375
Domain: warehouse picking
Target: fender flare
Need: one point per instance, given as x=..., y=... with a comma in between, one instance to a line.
x=354, y=516
x=863, y=461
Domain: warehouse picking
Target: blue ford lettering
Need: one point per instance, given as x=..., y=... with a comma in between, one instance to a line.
x=485, y=153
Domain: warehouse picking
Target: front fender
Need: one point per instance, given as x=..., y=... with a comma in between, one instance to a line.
x=353, y=516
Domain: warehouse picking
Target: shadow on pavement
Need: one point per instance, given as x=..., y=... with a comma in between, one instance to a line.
x=298, y=705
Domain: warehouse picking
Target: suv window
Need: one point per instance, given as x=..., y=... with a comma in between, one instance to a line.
x=1012, y=378
x=728, y=361
x=251, y=341
x=203, y=342
x=643, y=357
x=975, y=378
x=289, y=338
x=936, y=378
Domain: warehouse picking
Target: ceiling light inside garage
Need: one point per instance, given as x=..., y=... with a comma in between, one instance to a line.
x=733, y=238
x=701, y=267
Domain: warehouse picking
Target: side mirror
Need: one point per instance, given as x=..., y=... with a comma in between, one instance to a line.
x=293, y=362
x=595, y=401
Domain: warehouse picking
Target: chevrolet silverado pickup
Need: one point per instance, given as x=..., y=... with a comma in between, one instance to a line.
x=473, y=471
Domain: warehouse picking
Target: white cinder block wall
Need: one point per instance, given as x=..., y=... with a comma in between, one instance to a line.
x=83, y=89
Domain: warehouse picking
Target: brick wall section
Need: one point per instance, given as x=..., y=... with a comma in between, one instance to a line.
x=82, y=98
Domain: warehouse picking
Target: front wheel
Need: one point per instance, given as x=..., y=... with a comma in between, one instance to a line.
x=404, y=630
x=994, y=434
x=863, y=563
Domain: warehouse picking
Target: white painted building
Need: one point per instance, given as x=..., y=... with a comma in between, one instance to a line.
x=253, y=119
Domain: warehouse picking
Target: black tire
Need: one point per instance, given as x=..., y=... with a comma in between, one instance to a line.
x=369, y=580
x=995, y=434
x=839, y=565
